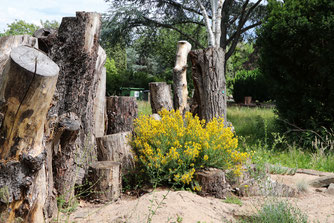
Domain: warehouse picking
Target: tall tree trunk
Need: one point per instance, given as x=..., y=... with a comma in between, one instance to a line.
x=209, y=81
x=180, y=77
x=75, y=50
x=28, y=85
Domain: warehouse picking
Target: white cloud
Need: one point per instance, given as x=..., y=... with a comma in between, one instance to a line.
x=33, y=11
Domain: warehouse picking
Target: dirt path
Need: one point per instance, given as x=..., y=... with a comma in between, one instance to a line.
x=189, y=207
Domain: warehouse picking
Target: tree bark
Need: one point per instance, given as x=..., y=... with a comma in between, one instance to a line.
x=121, y=111
x=160, y=96
x=209, y=80
x=106, y=177
x=7, y=43
x=116, y=147
x=28, y=85
x=75, y=49
x=180, y=77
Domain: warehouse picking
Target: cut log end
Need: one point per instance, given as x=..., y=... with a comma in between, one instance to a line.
x=34, y=61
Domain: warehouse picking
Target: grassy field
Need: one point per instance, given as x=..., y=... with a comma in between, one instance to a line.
x=255, y=128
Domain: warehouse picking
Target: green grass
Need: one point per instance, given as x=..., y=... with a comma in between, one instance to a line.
x=254, y=124
x=144, y=108
x=233, y=200
x=256, y=130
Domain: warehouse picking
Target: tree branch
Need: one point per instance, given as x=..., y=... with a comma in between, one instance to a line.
x=243, y=19
x=158, y=24
x=211, y=38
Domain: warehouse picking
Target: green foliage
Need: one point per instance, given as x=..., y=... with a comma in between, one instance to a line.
x=53, y=24
x=297, y=51
x=250, y=83
x=171, y=150
x=20, y=27
x=278, y=212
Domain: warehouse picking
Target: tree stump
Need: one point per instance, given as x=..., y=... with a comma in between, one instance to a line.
x=116, y=147
x=121, y=112
x=106, y=180
x=7, y=43
x=180, y=77
x=213, y=183
x=29, y=81
x=209, y=81
x=160, y=96
x=75, y=49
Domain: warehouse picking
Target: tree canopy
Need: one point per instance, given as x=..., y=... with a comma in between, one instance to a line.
x=127, y=17
x=297, y=56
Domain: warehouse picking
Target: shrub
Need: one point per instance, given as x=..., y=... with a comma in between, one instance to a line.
x=297, y=50
x=170, y=151
x=250, y=83
x=279, y=212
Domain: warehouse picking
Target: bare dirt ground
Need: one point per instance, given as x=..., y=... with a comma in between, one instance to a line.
x=170, y=206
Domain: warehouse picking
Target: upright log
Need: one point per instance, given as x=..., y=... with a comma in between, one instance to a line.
x=160, y=96
x=29, y=81
x=7, y=43
x=180, y=77
x=106, y=179
x=75, y=49
x=99, y=109
x=116, y=147
x=209, y=81
x=121, y=112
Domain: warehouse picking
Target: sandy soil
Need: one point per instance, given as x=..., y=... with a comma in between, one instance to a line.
x=189, y=207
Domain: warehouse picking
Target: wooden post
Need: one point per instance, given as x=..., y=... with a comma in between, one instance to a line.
x=121, y=112
x=180, y=77
x=106, y=179
x=29, y=81
x=160, y=96
x=116, y=147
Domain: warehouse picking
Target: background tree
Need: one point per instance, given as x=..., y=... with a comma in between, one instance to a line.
x=297, y=51
x=20, y=27
x=226, y=23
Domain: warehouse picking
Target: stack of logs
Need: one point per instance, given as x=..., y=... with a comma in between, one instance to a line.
x=113, y=150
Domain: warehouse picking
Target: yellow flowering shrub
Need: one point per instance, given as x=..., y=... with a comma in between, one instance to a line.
x=170, y=150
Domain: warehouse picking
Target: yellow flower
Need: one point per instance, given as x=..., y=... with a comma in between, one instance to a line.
x=206, y=157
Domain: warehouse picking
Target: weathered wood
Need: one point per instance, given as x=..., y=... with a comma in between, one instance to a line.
x=121, y=111
x=160, y=96
x=116, y=147
x=180, y=85
x=209, y=82
x=213, y=183
x=106, y=180
x=43, y=36
x=99, y=109
x=7, y=43
x=28, y=85
x=75, y=50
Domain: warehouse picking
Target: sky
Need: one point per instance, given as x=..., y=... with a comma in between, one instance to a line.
x=32, y=11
